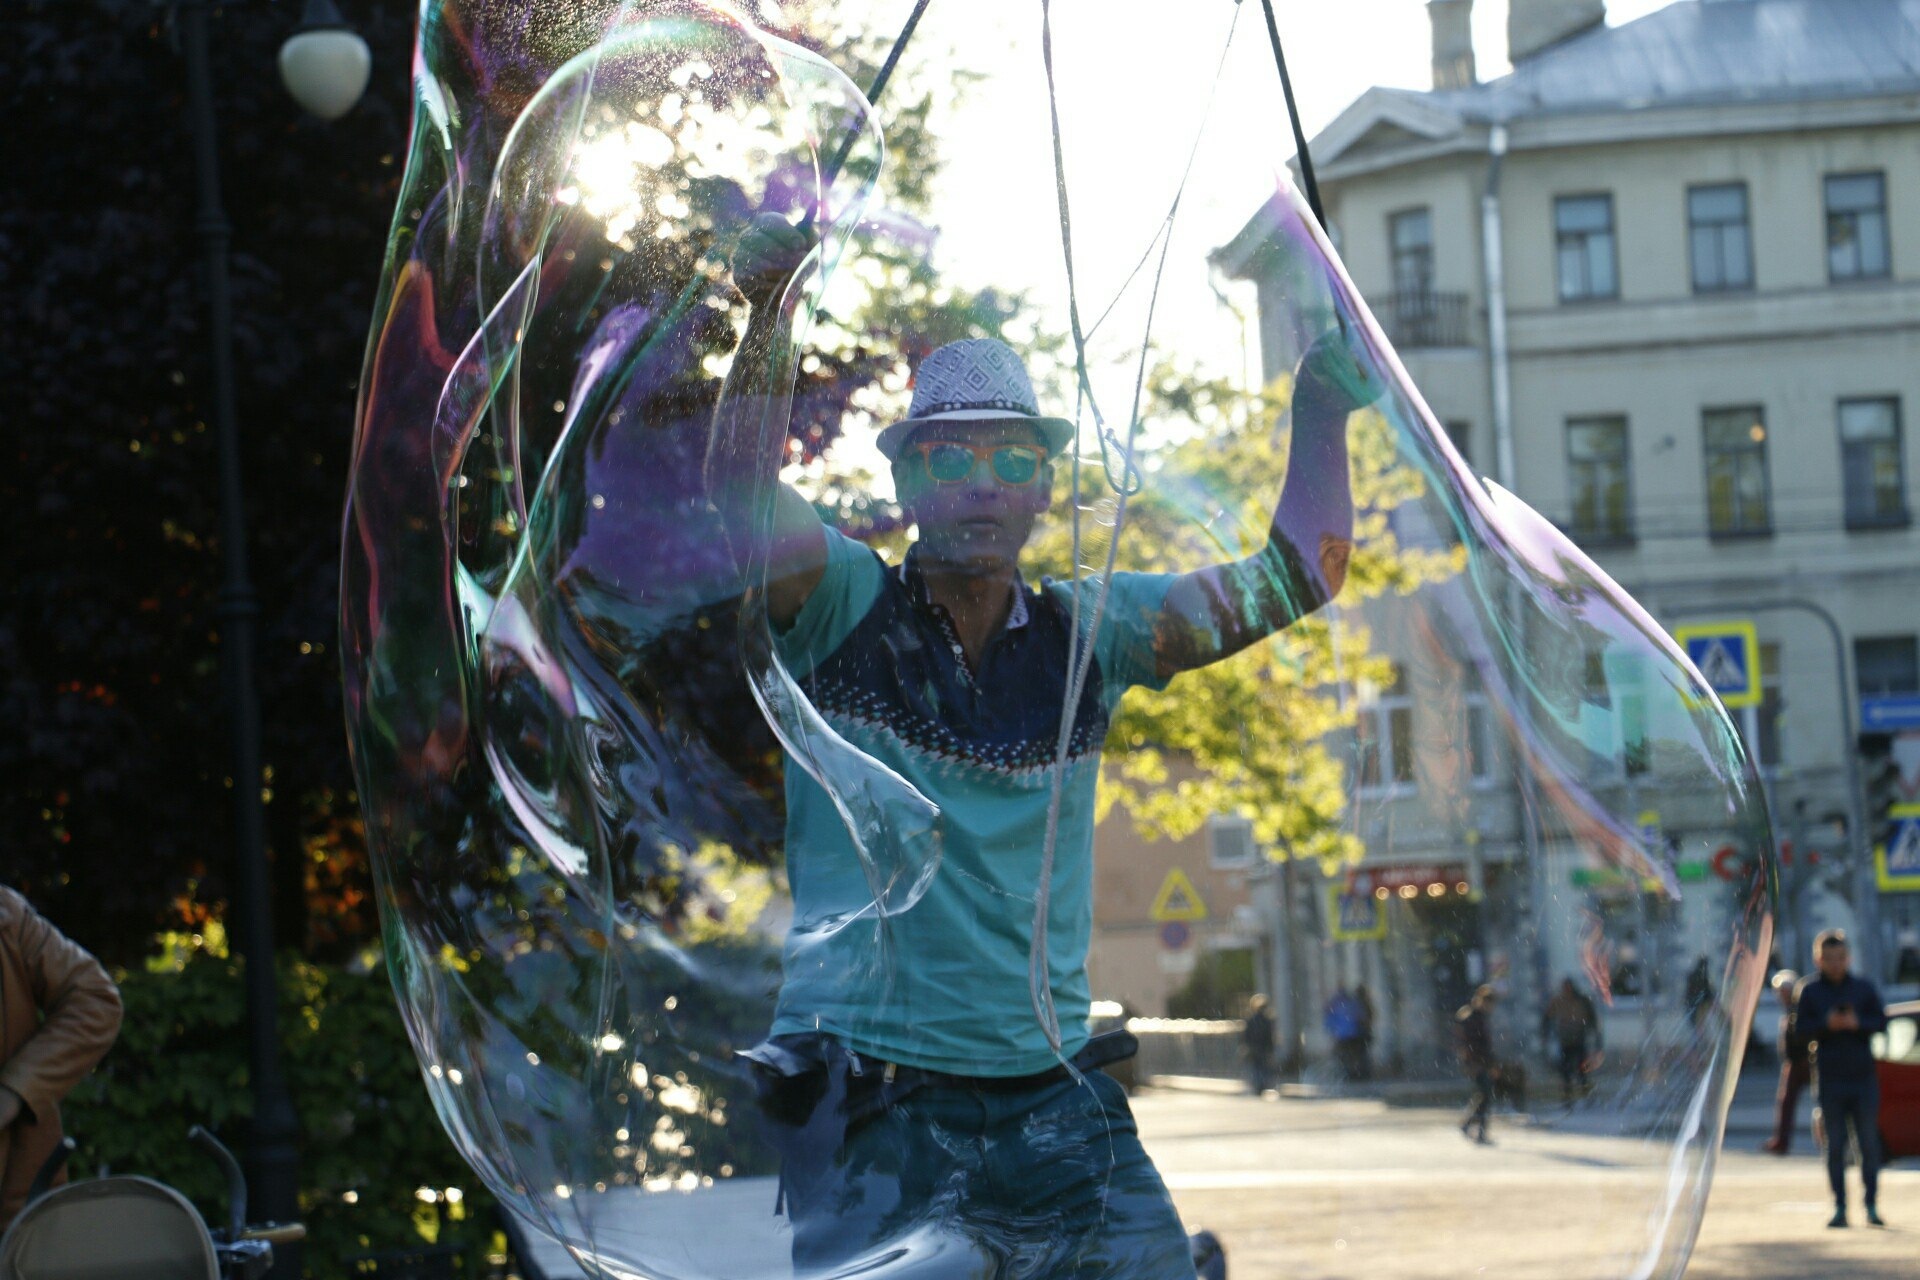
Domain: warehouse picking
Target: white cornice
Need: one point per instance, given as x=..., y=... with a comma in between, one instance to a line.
x=1400, y=108
x=1586, y=129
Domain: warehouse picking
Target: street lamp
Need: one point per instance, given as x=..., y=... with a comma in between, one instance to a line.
x=325, y=63
x=325, y=67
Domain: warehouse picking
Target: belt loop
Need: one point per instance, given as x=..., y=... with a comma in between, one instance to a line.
x=893, y=1069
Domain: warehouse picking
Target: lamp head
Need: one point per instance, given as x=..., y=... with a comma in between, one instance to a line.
x=325, y=63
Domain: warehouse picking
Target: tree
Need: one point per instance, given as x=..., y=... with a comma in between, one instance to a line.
x=117, y=816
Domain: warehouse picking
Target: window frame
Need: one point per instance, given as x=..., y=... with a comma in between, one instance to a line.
x=1885, y=227
x=1695, y=226
x=1384, y=707
x=1908, y=641
x=1459, y=434
x=1560, y=244
x=1394, y=251
x=1855, y=517
x=1755, y=415
x=1598, y=536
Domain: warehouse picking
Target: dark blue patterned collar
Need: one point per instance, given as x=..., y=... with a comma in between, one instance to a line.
x=916, y=584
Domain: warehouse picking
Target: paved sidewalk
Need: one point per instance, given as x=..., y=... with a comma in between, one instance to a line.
x=1330, y=1188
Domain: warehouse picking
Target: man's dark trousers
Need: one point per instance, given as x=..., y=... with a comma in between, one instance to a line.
x=1855, y=1103
x=1794, y=1077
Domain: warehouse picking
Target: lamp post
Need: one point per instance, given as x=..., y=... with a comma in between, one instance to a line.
x=323, y=71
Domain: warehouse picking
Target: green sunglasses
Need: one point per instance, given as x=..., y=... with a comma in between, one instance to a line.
x=950, y=462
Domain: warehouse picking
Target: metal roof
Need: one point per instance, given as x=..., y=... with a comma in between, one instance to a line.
x=1701, y=52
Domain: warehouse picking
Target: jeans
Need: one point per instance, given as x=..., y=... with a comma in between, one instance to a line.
x=1041, y=1182
x=1855, y=1103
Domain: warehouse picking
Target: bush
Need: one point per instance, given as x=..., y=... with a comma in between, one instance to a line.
x=371, y=1148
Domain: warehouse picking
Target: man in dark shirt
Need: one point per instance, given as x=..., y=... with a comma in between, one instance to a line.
x=1839, y=1013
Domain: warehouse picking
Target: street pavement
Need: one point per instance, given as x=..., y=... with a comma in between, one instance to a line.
x=1319, y=1187
x=1349, y=1187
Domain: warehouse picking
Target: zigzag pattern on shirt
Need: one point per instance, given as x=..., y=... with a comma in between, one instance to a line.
x=1026, y=762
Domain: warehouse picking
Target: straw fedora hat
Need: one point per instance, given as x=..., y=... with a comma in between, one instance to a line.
x=970, y=381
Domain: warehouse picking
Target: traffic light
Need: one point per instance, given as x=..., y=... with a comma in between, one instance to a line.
x=1880, y=776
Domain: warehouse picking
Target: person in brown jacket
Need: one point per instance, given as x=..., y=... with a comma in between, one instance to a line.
x=59, y=1013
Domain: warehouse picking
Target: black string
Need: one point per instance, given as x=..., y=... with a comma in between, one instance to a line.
x=1293, y=114
x=873, y=94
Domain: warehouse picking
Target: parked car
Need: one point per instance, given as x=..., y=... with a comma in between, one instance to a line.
x=1898, y=1051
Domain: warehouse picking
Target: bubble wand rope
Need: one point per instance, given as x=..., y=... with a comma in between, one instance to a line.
x=1293, y=116
x=1079, y=653
x=878, y=87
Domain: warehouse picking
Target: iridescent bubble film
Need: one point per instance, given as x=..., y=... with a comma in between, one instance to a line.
x=819, y=572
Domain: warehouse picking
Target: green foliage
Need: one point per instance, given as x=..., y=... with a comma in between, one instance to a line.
x=370, y=1140
x=1218, y=987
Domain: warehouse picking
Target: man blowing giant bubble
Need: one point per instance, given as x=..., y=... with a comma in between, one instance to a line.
x=930, y=1096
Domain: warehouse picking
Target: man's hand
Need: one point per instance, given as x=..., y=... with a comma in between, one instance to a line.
x=1843, y=1020
x=1337, y=375
x=10, y=1108
x=771, y=252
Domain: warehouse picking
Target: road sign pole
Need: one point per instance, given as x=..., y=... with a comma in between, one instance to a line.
x=1866, y=879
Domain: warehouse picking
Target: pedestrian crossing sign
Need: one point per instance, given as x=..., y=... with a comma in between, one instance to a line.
x=1355, y=913
x=1178, y=900
x=1727, y=655
x=1898, y=860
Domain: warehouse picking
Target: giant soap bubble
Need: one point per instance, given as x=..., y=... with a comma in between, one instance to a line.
x=771, y=801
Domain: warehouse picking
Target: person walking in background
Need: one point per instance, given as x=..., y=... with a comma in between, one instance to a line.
x=1839, y=1013
x=59, y=1014
x=1257, y=1037
x=1364, y=999
x=1343, y=1017
x=1572, y=1025
x=1473, y=1029
x=1796, y=1066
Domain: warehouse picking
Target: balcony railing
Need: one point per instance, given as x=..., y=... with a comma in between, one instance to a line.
x=1426, y=318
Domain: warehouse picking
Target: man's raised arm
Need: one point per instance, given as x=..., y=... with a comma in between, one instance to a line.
x=743, y=459
x=1215, y=612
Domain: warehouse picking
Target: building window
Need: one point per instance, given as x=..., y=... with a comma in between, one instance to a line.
x=1583, y=239
x=1736, y=446
x=1762, y=723
x=1717, y=235
x=1412, y=234
x=1383, y=733
x=1870, y=462
x=1857, y=227
x=1480, y=749
x=1460, y=435
x=1886, y=664
x=1597, y=480
x=1617, y=734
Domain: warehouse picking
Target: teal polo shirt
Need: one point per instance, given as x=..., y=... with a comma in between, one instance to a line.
x=943, y=985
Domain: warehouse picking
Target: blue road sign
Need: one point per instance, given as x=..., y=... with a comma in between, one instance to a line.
x=1898, y=860
x=1727, y=655
x=1890, y=712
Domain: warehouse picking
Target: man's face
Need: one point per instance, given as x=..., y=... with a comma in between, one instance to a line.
x=1833, y=961
x=975, y=490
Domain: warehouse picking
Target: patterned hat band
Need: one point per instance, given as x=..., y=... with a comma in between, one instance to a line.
x=975, y=412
